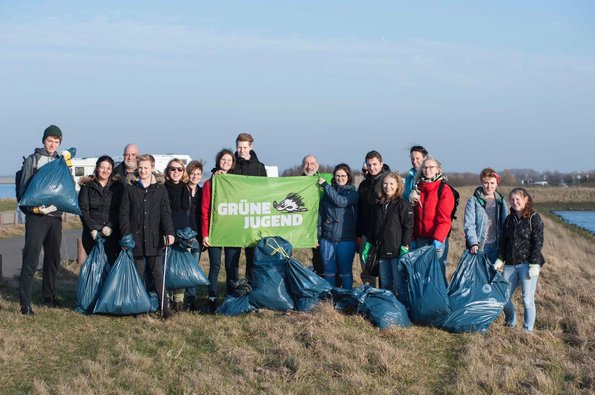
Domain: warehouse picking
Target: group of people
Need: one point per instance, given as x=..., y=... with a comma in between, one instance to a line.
x=384, y=214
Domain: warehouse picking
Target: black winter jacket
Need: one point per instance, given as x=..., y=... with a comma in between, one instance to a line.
x=522, y=240
x=100, y=205
x=249, y=167
x=369, y=191
x=392, y=226
x=145, y=213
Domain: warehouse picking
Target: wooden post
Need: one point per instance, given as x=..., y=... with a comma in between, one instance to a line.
x=80, y=252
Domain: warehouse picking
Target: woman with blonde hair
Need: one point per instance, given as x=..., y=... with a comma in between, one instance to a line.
x=391, y=232
x=176, y=180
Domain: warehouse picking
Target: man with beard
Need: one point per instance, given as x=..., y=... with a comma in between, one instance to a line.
x=128, y=165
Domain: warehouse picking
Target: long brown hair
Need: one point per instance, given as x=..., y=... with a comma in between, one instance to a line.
x=528, y=210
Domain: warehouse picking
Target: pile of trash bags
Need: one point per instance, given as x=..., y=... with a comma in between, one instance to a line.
x=471, y=303
x=119, y=290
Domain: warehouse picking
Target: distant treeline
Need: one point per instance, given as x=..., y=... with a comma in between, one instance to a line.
x=509, y=177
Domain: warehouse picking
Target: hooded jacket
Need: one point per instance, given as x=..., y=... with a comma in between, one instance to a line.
x=432, y=212
x=145, y=213
x=249, y=167
x=369, y=191
x=32, y=163
x=476, y=218
x=338, y=213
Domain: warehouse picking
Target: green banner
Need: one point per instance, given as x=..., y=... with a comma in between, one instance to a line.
x=245, y=209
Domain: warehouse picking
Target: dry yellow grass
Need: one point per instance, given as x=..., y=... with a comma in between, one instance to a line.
x=61, y=352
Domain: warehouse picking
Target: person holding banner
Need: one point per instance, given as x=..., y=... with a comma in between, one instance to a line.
x=224, y=163
x=337, y=221
x=247, y=164
x=310, y=168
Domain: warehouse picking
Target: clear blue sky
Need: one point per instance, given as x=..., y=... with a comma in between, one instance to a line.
x=507, y=84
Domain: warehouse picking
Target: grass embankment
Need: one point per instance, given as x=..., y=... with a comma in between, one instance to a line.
x=59, y=351
x=8, y=204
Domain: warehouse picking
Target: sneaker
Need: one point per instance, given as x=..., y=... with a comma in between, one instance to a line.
x=26, y=310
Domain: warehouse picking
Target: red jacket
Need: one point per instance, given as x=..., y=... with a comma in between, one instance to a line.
x=205, y=208
x=432, y=215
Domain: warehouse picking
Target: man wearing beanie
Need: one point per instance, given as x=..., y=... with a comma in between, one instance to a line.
x=43, y=227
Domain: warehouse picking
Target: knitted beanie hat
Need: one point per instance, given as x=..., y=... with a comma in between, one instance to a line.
x=53, y=131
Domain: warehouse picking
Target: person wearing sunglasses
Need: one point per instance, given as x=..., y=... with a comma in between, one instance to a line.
x=336, y=229
x=176, y=185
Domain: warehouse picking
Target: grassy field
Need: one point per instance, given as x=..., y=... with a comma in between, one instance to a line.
x=61, y=352
x=8, y=204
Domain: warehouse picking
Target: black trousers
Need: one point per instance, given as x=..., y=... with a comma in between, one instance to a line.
x=155, y=267
x=249, y=252
x=40, y=231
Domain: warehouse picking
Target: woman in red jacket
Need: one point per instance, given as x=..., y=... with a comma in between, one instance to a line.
x=224, y=163
x=432, y=210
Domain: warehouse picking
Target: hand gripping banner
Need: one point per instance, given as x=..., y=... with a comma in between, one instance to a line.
x=244, y=209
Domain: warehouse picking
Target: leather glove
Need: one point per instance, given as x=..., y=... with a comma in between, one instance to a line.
x=438, y=245
x=403, y=250
x=45, y=210
x=107, y=231
x=534, y=269
x=94, y=234
x=499, y=265
x=366, y=252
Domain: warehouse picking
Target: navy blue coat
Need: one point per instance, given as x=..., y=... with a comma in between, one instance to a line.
x=338, y=213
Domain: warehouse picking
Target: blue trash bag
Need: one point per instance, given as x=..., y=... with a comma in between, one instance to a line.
x=182, y=269
x=91, y=277
x=382, y=308
x=477, y=294
x=428, y=302
x=346, y=300
x=52, y=184
x=123, y=291
x=269, y=284
x=186, y=238
x=306, y=287
x=272, y=248
x=154, y=298
x=235, y=306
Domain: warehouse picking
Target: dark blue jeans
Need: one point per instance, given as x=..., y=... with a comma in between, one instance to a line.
x=232, y=260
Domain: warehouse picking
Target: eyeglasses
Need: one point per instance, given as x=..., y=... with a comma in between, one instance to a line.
x=340, y=175
x=429, y=167
x=176, y=169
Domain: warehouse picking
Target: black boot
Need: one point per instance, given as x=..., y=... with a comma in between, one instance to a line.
x=178, y=307
x=26, y=310
x=212, y=304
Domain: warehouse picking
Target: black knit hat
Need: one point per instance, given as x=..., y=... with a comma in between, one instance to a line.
x=53, y=131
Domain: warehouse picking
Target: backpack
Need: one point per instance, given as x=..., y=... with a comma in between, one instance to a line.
x=456, y=195
x=17, y=181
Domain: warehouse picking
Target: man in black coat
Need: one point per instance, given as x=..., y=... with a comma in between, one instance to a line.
x=128, y=165
x=369, y=190
x=247, y=164
x=145, y=213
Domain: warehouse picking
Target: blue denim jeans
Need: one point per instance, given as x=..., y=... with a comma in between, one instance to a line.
x=393, y=278
x=442, y=253
x=337, y=256
x=515, y=275
x=232, y=259
x=190, y=293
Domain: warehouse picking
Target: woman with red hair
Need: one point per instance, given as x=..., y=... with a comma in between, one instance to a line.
x=485, y=213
